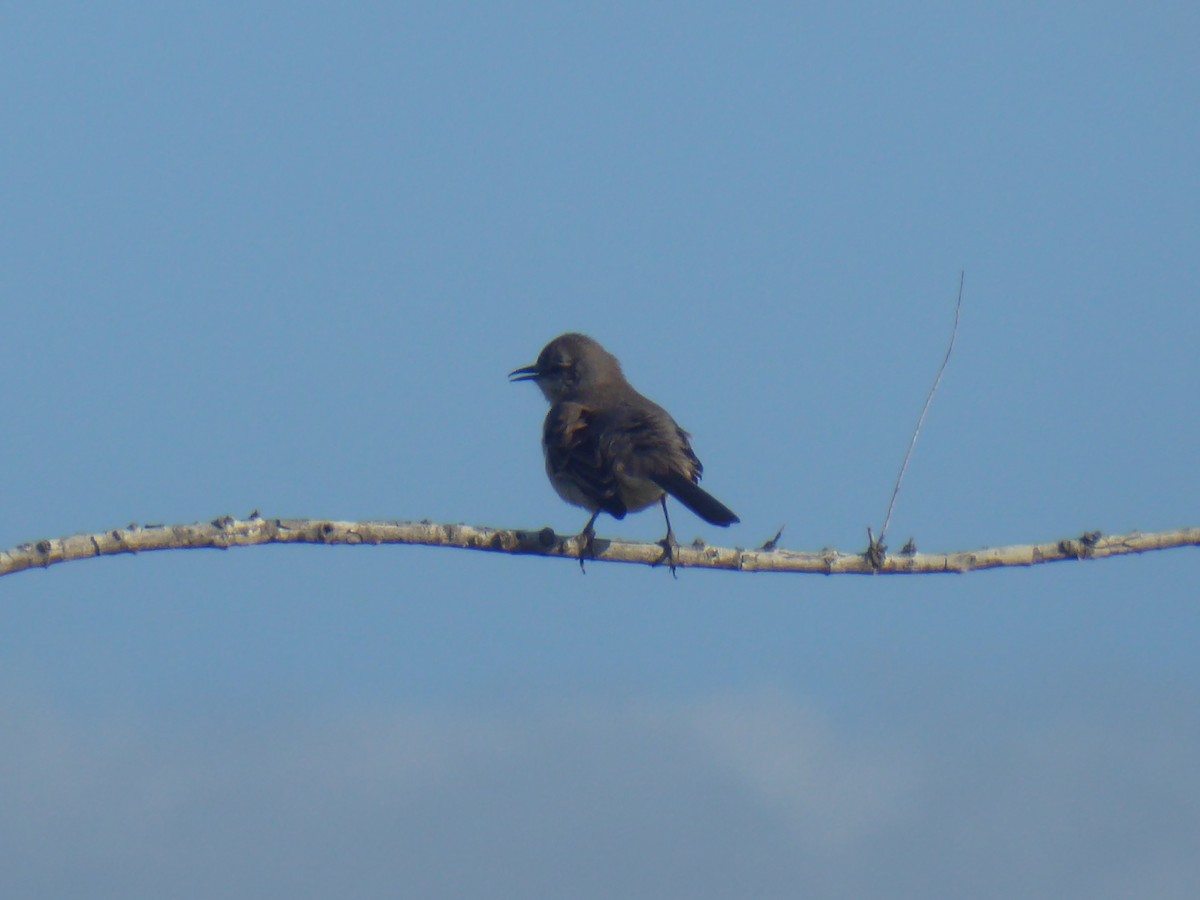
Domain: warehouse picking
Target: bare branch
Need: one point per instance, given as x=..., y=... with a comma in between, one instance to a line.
x=229, y=532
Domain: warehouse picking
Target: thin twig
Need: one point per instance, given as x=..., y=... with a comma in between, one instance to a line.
x=887, y=520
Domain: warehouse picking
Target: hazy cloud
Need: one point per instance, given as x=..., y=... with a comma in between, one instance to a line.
x=737, y=795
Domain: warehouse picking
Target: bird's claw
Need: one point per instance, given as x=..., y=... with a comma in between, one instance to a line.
x=587, y=546
x=670, y=546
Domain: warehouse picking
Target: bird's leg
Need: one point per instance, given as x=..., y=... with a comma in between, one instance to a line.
x=668, y=543
x=586, y=541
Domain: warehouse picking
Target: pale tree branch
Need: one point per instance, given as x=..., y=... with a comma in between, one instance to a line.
x=229, y=532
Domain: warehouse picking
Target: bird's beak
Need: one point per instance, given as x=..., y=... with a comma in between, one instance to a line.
x=526, y=373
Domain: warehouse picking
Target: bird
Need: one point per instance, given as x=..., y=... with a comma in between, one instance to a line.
x=609, y=449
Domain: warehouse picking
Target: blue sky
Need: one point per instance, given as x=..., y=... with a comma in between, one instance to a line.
x=259, y=256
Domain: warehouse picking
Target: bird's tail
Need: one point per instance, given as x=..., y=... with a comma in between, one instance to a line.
x=695, y=498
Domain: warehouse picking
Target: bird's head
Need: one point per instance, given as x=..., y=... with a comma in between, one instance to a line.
x=569, y=364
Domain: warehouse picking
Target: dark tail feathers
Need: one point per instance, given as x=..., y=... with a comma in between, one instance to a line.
x=698, y=500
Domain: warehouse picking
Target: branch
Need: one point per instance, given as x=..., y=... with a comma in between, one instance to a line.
x=229, y=532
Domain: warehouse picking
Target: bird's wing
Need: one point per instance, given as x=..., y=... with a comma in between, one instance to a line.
x=574, y=454
x=647, y=435
x=656, y=448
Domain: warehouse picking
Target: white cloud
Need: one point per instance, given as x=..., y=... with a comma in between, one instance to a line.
x=836, y=790
x=737, y=795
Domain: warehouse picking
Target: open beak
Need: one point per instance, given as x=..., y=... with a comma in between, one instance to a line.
x=528, y=373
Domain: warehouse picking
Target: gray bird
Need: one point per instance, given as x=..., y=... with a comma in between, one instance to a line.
x=608, y=448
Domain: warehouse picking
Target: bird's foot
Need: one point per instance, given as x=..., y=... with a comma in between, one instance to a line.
x=587, y=545
x=670, y=546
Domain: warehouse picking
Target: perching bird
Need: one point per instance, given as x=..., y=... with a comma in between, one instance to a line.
x=608, y=448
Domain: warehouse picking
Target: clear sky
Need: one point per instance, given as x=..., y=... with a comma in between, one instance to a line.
x=282, y=256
